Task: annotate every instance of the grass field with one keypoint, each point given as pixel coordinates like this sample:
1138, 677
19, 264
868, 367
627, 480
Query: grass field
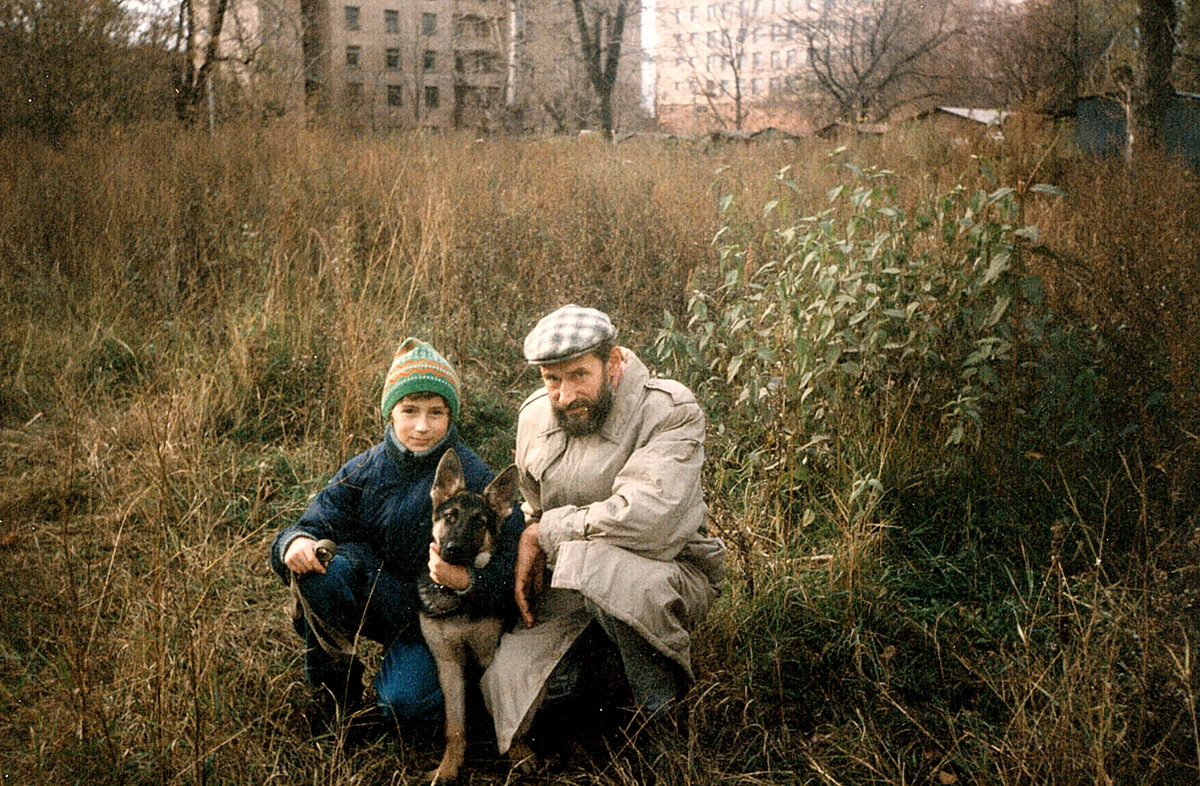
953, 408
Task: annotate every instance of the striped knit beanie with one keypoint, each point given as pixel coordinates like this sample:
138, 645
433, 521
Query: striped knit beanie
418, 368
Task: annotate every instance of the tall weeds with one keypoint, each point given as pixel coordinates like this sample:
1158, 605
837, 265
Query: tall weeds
951, 436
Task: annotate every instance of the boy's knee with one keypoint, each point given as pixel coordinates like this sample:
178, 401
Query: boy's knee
330, 593
403, 700
407, 684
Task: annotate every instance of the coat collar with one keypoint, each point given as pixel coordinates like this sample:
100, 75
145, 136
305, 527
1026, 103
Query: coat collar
406, 460
627, 398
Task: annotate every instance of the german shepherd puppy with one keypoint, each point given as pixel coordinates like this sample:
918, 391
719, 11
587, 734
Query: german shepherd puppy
466, 527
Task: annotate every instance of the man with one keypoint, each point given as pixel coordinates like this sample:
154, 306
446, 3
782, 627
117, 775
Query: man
615, 543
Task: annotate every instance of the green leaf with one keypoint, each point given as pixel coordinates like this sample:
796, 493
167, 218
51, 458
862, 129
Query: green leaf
1031, 233
1046, 188
998, 265
998, 310
734, 367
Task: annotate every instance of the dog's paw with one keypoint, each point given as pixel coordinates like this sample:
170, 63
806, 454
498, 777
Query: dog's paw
522, 759
438, 778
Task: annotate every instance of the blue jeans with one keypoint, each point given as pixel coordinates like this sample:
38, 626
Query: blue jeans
356, 597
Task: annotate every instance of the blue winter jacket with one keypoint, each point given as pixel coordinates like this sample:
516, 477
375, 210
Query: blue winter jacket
380, 498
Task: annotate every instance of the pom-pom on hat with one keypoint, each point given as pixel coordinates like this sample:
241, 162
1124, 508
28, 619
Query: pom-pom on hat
568, 333
418, 368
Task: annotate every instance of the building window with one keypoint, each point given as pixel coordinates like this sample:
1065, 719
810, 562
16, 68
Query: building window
714, 62
392, 58
712, 12
354, 94
459, 65
351, 12
775, 60
391, 20
774, 85
712, 38
791, 58
395, 95
430, 62
756, 61
431, 97
428, 24
695, 12
755, 86
353, 56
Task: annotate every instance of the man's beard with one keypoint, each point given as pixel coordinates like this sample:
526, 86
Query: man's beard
593, 421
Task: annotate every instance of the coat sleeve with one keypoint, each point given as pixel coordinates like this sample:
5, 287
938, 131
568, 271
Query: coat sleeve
333, 513
656, 505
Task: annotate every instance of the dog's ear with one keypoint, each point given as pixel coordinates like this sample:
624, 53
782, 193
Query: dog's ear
501, 493
448, 480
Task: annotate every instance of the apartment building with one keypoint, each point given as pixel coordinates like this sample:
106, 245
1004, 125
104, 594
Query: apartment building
716, 58
383, 64
392, 63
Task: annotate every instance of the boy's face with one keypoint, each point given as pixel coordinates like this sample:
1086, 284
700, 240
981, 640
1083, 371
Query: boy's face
421, 420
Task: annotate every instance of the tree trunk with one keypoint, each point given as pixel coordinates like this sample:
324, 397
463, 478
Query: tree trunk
1152, 91
195, 84
602, 71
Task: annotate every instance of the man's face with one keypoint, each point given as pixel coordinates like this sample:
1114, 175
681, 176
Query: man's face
580, 393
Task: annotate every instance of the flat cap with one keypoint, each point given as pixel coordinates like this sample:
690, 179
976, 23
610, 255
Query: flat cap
566, 334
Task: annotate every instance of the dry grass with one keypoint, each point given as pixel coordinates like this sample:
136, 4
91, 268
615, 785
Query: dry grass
198, 327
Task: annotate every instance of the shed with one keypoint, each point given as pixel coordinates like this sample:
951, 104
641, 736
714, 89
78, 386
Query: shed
965, 123
1100, 126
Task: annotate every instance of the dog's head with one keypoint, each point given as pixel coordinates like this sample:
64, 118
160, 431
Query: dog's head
466, 525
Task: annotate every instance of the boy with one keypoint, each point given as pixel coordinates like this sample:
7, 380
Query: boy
378, 512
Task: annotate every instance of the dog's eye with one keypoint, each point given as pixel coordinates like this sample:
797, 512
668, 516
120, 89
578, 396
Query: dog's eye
450, 516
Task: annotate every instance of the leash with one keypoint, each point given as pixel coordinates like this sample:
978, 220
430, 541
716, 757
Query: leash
330, 639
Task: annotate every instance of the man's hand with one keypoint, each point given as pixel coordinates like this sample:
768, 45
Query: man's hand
456, 577
530, 572
301, 556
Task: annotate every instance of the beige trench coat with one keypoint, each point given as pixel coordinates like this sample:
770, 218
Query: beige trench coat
622, 524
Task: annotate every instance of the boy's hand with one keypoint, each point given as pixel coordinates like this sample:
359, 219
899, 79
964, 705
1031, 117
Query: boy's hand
301, 556
530, 572
456, 577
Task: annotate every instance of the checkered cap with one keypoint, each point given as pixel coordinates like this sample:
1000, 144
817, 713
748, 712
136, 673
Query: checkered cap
566, 334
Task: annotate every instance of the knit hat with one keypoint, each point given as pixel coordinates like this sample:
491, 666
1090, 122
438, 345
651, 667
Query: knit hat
570, 332
418, 368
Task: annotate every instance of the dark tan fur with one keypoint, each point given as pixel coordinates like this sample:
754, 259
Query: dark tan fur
454, 634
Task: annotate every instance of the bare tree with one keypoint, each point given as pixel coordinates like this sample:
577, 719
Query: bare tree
1153, 91
600, 44
718, 60
1187, 57
870, 57
72, 63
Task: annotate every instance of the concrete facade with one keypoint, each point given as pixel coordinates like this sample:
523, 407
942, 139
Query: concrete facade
714, 56
401, 64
